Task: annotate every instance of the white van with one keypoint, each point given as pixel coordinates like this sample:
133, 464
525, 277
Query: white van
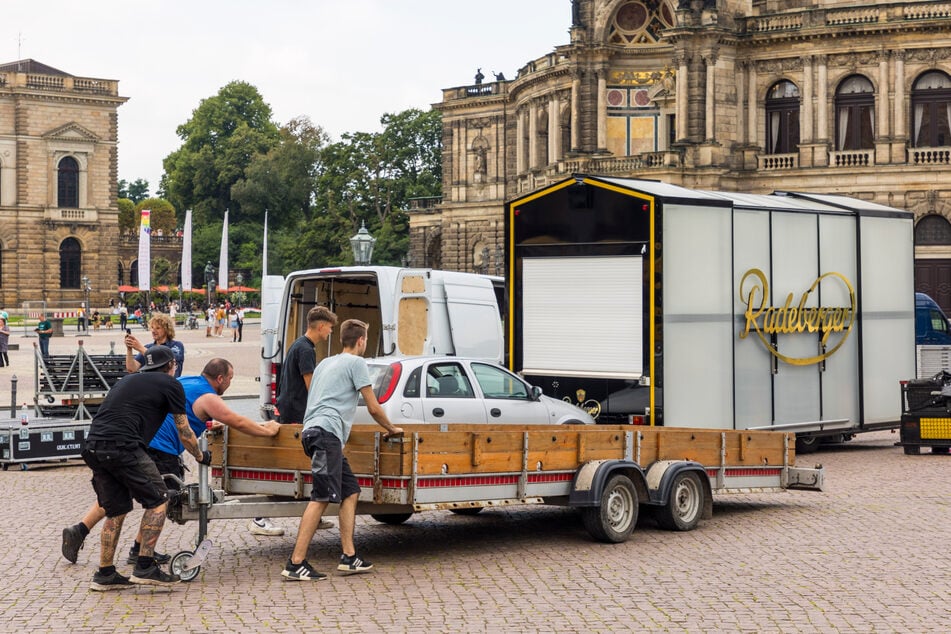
410, 312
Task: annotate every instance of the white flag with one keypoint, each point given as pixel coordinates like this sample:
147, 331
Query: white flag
187, 253
145, 257
223, 261
264, 259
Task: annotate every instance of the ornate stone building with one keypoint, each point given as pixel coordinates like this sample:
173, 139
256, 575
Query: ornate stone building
58, 176
737, 95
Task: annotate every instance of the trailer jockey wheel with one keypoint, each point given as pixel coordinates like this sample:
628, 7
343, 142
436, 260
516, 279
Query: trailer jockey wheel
178, 563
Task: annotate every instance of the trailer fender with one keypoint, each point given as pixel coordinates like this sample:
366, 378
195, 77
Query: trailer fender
662, 475
590, 478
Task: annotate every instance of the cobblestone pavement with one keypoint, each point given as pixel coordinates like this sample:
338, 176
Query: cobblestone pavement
870, 554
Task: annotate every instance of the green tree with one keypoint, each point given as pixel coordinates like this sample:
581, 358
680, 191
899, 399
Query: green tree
137, 191
126, 216
162, 215
225, 133
283, 180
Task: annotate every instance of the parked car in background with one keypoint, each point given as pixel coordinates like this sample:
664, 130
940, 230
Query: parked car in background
461, 390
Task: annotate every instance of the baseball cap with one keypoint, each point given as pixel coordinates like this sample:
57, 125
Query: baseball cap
155, 357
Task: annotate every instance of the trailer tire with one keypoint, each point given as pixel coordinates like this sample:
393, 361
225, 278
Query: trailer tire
393, 519
807, 444
614, 518
912, 450
684, 506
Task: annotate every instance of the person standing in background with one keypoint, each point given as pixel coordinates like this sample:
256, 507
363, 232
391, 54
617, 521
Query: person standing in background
45, 330
4, 343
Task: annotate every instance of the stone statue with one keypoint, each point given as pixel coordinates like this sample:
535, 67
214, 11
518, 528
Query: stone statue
499, 76
209, 274
479, 76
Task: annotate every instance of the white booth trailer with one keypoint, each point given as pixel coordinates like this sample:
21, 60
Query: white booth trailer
651, 303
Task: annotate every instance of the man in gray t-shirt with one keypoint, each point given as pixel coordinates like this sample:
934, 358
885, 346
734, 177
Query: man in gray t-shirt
331, 404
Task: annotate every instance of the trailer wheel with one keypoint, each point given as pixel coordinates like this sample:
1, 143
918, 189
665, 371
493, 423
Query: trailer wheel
912, 450
685, 504
807, 444
179, 561
392, 518
614, 518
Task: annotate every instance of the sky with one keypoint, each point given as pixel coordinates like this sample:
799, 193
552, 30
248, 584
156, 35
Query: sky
342, 63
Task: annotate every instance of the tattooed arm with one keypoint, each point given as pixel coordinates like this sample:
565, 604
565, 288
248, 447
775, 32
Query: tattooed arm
187, 435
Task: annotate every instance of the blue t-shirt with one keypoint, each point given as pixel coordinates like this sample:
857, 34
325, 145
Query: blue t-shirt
166, 438
334, 389
178, 351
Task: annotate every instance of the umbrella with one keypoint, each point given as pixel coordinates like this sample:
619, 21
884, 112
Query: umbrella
241, 289
125, 288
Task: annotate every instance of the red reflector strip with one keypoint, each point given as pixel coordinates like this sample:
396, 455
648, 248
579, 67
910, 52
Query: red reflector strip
742, 472
263, 476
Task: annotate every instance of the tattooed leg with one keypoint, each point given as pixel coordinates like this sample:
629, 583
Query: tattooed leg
152, 522
109, 538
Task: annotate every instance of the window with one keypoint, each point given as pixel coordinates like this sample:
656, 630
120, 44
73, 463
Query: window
68, 183
70, 263
120, 277
782, 118
412, 384
637, 23
932, 229
497, 383
447, 380
931, 110
855, 114
134, 273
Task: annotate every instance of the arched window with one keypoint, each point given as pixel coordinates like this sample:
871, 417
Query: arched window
70, 263
134, 273
67, 183
638, 22
782, 118
120, 274
855, 114
931, 110
933, 229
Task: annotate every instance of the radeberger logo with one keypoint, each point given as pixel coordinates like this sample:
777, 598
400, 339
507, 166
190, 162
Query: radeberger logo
794, 317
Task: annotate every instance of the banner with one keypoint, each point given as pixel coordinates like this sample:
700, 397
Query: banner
187, 253
264, 258
145, 257
223, 261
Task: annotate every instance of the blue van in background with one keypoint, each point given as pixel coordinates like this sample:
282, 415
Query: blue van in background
931, 324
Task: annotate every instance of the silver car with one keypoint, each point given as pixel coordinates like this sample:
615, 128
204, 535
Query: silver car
458, 390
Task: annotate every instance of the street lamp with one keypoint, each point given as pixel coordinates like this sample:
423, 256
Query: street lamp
362, 245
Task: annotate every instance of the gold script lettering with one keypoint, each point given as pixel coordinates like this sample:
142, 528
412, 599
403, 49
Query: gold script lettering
794, 317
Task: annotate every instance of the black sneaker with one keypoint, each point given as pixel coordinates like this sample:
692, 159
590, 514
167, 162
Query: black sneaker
160, 558
153, 576
354, 564
301, 572
104, 583
73, 542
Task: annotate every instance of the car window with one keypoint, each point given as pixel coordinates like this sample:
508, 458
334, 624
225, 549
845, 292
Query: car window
411, 390
447, 380
497, 383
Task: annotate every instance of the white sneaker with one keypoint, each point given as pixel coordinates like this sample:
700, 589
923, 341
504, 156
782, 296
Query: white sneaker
325, 524
264, 526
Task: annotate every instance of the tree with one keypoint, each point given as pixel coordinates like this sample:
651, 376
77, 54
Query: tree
282, 181
162, 217
136, 192
126, 216
225, 133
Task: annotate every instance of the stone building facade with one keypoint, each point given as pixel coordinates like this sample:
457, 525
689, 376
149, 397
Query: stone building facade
736, 95
58, 179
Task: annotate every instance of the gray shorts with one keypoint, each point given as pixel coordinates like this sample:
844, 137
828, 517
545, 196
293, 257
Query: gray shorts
332, 479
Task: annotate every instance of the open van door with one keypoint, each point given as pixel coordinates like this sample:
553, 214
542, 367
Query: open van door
413, 325
272, 288
475, 325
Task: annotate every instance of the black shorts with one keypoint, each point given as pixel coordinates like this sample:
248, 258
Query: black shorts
121, 474
167, 463
332, 479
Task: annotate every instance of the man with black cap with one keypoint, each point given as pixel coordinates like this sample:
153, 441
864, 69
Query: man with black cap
122, 471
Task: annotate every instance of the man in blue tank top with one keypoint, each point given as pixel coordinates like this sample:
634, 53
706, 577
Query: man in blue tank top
203, 402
